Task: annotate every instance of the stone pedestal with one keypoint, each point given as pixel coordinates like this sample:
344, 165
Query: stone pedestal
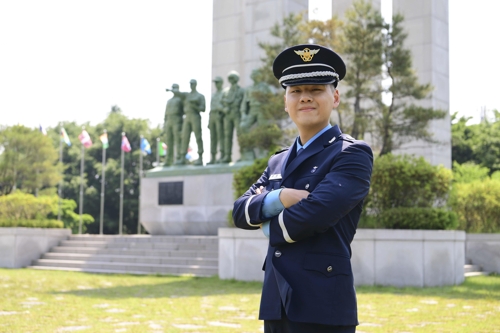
187, 200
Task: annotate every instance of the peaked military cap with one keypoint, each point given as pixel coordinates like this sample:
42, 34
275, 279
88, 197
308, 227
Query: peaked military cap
308, 64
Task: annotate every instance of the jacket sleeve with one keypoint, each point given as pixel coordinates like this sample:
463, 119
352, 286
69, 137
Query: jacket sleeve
247, 208
344, 186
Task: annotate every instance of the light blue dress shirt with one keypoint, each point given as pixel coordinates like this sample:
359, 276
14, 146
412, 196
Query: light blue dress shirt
272, 206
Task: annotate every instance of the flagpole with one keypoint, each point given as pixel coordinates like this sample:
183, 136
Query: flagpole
157, 151
140, 182
120, 226
81, 187
59, 191
103, 181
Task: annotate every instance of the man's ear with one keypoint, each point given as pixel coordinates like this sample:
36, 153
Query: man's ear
336, 96
284, 100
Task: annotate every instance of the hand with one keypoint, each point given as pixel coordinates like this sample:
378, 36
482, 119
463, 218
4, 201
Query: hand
259, 190
290, 196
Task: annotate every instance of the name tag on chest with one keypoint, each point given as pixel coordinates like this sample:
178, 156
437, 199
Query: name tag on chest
275, 176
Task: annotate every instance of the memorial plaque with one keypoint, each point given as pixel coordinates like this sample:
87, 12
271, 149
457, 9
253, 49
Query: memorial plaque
170, 193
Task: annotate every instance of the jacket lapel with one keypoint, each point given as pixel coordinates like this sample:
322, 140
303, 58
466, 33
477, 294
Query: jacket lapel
326, 139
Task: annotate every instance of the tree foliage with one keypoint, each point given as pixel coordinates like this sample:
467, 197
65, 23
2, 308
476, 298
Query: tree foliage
28, 160
363, 53
401, 120
477, 143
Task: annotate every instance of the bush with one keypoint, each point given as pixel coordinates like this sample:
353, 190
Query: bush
477, 205
32, 211
406, 181
418, 218
469, 172
31, 223
246, 176
24, 206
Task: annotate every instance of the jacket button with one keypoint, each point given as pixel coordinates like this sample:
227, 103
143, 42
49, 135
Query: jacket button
307, 186
329, 269
277, 254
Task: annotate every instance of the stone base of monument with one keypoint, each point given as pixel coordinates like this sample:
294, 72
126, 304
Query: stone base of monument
187, 200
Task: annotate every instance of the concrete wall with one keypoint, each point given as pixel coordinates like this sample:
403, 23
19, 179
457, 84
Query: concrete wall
484, 250
380, 257
421, 258
426, 23
20, 246
207, 199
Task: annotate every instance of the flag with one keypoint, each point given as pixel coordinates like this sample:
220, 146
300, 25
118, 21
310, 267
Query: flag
162, 148
65, 137
42, 130
125, 144
85, 139
145, 146
104, 140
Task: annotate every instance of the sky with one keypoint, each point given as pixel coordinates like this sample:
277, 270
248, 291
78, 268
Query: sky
69, 60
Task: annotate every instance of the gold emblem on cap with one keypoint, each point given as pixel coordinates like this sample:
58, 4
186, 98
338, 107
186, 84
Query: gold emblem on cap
307, 54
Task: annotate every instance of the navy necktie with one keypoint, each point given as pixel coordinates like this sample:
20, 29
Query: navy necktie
293, 157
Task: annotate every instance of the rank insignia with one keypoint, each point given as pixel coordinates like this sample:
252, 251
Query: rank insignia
306, 54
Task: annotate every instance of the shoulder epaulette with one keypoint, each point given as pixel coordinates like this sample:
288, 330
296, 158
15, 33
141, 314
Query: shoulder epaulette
280, 151
347, 137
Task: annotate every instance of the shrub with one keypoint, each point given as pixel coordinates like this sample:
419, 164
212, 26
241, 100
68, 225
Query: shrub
418, 218
246, 176
24, 206
477, 205
31, 223
406, 181
469, 172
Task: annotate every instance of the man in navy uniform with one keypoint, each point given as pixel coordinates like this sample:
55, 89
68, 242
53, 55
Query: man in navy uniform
308, 202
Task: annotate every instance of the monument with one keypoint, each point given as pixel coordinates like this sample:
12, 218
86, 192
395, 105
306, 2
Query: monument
216, 122
194, 103
231, 103
187, 199
192, 199
172, 126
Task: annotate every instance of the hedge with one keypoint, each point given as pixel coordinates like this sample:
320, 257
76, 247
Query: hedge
418, 218
31, 223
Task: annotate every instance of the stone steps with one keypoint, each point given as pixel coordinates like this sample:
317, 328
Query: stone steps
172, 255
473, 270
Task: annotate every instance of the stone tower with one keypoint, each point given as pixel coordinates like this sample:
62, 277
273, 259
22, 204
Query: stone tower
238, 26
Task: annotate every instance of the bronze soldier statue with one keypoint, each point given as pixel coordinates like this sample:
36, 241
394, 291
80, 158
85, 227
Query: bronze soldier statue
231, 102
194, 103
172, 125
215, 122
251, 112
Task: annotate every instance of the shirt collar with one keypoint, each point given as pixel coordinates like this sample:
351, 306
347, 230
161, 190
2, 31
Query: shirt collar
299, 146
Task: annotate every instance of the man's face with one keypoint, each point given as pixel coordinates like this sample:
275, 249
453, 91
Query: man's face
310, 106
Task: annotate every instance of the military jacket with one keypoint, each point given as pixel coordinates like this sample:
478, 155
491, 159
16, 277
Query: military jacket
308, 268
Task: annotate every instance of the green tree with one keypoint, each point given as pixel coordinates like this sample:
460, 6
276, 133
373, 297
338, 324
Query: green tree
401, 120
28, 160
288, 33
477, 143
363, 53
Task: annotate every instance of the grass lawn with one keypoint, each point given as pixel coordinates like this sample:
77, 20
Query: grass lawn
53, 301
